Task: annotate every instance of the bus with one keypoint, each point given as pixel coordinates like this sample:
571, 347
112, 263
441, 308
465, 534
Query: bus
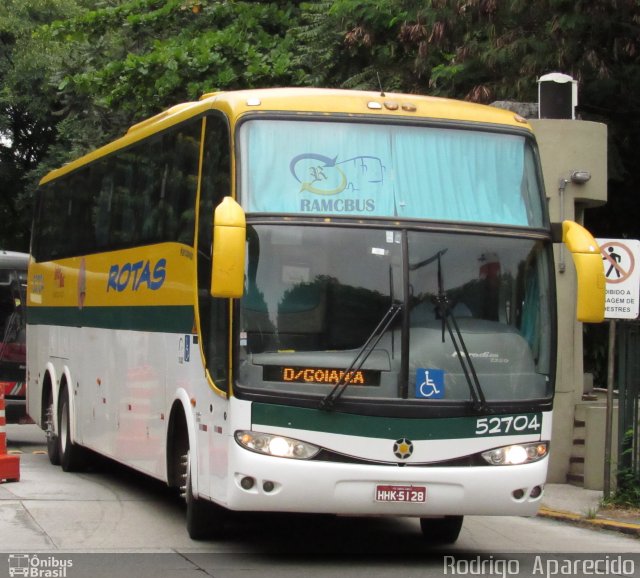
13, 321
306, 300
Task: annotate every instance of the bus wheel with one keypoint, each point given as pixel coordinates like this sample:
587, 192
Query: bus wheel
70, 454
204, 519
53, 449
441, 530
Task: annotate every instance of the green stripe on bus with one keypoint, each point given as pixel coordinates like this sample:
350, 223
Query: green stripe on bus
160, 319
394, 428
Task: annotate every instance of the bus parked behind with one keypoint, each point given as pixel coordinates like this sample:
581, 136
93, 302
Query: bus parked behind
13, 290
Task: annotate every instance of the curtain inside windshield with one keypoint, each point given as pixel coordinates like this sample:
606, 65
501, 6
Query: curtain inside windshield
389, 171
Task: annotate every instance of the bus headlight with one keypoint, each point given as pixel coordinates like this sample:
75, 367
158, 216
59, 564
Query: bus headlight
516, 454
276, 445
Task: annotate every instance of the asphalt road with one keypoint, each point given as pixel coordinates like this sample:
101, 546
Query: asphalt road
110, 521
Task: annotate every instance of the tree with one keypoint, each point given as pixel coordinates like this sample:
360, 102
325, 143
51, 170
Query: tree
128, 62
27, 120
77, 73
486, 50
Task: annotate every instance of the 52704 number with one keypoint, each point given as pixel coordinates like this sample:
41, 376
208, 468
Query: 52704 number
507, 424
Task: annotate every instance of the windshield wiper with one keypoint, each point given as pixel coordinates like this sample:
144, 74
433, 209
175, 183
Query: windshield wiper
361, 356
449, 321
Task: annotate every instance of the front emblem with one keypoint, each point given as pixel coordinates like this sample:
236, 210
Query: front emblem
403, 448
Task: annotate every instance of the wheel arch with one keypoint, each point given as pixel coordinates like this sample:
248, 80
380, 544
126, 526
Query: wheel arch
181, 436
65, 382
49, 384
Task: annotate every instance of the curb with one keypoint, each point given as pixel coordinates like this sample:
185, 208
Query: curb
602, 523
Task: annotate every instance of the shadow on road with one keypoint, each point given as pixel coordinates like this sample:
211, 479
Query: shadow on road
287, 534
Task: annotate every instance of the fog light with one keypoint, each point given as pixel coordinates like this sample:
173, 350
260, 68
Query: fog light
536, 492
518, 494
268, 486
247, 482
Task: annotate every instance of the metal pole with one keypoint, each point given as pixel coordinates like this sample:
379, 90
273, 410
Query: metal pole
561, 189
609, 422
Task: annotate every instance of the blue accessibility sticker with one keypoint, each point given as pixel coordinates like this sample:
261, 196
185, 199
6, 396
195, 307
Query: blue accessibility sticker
429, 383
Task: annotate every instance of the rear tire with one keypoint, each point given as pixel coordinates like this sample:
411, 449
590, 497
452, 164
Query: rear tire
53, 447
441, 530
71, 456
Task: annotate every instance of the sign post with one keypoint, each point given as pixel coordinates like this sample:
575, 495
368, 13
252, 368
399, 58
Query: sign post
621, 260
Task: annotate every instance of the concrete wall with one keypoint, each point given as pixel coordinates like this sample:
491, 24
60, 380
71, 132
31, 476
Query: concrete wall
567, 146
595, 417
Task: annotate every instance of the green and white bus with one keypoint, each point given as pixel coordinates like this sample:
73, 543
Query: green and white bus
306, 300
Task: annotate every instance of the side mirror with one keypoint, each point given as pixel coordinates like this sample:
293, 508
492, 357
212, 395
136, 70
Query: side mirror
590, 272
229, 239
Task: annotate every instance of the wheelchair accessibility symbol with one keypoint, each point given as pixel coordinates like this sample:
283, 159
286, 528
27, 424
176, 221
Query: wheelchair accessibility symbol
429, 383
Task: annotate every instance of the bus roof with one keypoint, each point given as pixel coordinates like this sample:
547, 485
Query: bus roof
306, 101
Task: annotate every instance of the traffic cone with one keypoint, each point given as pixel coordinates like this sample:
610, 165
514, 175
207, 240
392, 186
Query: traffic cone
9, 465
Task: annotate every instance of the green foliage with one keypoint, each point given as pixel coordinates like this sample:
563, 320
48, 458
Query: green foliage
487, 50
627, 494
76, 73
27, 108
126, 63
479, 49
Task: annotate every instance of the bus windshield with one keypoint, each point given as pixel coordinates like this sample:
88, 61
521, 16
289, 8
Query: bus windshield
315, 295
389, 170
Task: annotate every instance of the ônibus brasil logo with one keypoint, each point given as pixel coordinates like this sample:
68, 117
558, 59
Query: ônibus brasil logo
38, 566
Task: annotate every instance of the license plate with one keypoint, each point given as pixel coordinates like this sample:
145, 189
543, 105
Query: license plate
411, 494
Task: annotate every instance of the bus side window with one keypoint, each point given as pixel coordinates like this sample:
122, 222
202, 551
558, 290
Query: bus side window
114, 212
213, 312
160, 222
49, 241
7, 308
182, 180
167, 183
148, 187
102, 211
80, 192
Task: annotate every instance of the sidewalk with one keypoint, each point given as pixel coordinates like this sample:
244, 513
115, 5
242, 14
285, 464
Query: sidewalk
573, 504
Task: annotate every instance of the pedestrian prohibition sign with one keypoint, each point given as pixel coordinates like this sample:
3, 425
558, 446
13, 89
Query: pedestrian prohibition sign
621, 261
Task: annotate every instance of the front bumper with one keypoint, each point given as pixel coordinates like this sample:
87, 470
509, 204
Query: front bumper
289, 485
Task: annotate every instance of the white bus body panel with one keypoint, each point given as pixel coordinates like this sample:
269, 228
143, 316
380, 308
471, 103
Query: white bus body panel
125, 383
122, 387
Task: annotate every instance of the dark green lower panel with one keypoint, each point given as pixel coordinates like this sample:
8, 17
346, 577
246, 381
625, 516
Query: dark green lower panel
160, 319
394, 428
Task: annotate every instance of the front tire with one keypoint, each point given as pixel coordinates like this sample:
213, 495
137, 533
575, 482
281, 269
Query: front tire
204, 519
71, 458
441, 530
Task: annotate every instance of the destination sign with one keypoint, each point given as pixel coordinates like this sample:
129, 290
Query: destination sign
320, 375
